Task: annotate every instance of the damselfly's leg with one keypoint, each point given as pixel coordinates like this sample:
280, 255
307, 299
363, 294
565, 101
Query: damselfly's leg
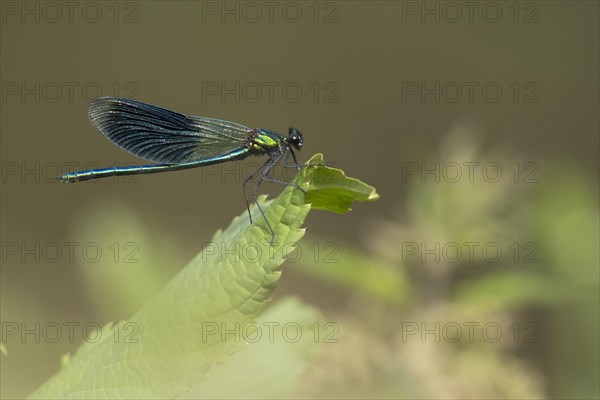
286, 163
248, 179
296, 164
265, 168
269, 179
265, 176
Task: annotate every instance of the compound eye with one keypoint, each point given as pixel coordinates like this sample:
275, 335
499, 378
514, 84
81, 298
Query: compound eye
296, 138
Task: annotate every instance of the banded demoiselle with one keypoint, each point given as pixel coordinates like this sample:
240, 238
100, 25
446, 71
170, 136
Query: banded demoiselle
176, 141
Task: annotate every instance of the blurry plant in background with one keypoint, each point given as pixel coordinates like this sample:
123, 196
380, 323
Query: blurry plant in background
138, 263
436, 314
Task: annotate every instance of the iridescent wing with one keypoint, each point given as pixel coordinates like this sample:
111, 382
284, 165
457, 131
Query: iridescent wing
163, 136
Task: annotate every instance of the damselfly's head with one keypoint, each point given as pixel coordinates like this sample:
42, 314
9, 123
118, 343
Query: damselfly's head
295, 138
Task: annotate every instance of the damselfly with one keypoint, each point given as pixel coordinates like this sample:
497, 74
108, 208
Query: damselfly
176, 141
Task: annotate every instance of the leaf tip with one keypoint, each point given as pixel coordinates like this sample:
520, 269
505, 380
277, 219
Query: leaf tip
373, 196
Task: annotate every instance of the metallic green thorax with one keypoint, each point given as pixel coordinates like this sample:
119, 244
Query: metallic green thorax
264, 141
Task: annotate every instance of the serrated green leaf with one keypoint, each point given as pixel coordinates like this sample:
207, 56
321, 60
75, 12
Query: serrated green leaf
168, 346
330, 189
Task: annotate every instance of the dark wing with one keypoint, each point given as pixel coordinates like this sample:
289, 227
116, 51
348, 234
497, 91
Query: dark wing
164, 136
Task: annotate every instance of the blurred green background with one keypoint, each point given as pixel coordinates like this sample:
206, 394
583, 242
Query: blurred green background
373, 86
